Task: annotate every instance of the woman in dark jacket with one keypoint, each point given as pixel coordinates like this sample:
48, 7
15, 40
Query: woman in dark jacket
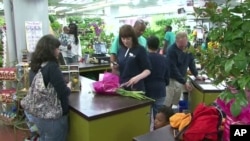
45, 57
133, 60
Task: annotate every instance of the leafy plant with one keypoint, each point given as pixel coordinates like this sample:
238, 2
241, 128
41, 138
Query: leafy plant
230, 61
77, 19
55, 25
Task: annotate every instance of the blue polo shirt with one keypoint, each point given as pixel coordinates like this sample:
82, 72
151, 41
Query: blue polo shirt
132, 62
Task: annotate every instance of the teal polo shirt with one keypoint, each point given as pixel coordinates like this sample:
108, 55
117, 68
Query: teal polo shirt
170, 38
115, 45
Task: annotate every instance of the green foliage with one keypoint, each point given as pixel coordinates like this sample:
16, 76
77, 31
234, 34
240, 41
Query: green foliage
2, 21
158, 26
77, 19
52, 18
55, 25
230, 61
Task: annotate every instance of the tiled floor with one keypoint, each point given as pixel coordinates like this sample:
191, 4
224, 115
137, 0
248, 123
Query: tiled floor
7, 133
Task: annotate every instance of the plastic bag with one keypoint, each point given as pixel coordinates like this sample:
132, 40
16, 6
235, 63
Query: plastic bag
108, 85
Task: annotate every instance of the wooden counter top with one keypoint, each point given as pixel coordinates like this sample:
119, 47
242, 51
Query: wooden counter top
162, 134
206, 86
86, 67
92, 106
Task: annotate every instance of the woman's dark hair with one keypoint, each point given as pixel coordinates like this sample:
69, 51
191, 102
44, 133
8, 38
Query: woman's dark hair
73, 29
45, 51
153, 42
127, 31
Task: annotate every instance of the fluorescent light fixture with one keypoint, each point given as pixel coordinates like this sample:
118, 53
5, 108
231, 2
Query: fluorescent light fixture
61, 8
75, 1
1, 5
135, 2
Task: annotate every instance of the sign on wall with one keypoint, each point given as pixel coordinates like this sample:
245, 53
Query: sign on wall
33, 32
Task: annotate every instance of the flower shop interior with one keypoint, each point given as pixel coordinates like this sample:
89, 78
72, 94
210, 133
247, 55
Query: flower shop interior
218, 33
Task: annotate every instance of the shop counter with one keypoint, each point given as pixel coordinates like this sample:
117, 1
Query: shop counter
162, 134
106, 118
203, 92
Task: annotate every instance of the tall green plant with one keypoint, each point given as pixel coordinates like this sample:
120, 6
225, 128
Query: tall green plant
230, 62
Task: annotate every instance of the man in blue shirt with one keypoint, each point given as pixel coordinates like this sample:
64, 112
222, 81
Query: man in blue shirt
139, 28
179, 61
169, 38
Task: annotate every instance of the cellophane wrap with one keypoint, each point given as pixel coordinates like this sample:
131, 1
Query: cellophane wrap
108, 85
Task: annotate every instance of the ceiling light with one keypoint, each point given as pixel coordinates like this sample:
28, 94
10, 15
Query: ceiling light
75, 1
135, 2
61, 8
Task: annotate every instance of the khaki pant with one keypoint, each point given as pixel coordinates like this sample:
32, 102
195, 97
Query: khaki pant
174, 91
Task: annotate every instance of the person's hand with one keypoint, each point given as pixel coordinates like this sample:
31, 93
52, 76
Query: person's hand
69, 85
69, 47
132, 81
188, 87
199, 78
114, 68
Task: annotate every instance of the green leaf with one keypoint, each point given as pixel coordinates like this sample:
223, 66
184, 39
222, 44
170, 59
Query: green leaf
241, 98
228, 65
245, 26
237, 23
237, 34
235, 108
243, 82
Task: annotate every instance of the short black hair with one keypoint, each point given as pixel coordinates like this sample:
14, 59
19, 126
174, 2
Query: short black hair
153, 42
167, 111
169, 28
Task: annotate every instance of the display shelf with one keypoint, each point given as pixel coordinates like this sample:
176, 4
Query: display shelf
71, 74
16, 86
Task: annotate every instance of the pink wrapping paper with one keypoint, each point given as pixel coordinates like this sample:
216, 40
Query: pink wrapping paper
108, 85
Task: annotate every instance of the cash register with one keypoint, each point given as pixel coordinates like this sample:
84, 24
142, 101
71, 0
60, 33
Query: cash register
101, 53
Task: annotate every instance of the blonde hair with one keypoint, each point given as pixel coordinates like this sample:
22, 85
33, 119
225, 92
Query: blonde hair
181, 35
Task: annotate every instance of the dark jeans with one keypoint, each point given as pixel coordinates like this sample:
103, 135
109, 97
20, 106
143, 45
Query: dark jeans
51, 129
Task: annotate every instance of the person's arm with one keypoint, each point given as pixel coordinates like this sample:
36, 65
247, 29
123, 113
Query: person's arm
79, 49
114, 49
143, 61
166, 42
137, 78
61, 47
193, 68
167, 74
57, 80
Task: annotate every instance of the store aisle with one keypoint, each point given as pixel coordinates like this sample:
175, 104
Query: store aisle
7, 133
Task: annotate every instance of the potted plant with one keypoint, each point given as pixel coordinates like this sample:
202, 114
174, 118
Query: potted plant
228, 61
